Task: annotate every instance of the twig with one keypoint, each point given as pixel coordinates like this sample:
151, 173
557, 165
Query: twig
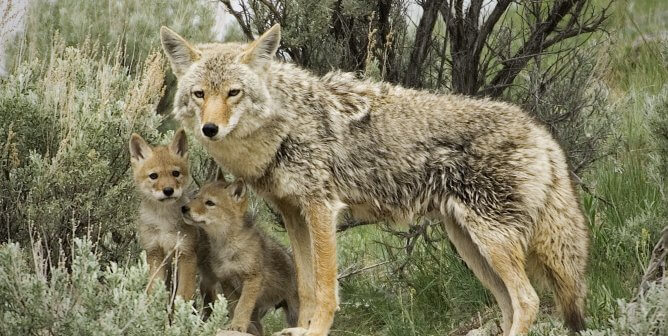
342, 276
656, 268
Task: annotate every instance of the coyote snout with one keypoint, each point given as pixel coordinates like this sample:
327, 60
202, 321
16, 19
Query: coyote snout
210, 130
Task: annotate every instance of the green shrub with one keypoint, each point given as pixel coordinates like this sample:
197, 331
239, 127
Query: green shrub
131, 24
64, 125
647, 315
89, 298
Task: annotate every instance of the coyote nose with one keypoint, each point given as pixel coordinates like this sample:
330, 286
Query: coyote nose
168, 191
185, 209
210, 130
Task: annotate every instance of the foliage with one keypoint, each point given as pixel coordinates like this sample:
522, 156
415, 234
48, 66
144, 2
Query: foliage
90, 298
65, 124
132, 25
567, 95
647, 315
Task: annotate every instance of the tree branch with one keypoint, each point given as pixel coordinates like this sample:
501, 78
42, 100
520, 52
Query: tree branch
422, 42
245, 26
273, 10
489, 24
533, 45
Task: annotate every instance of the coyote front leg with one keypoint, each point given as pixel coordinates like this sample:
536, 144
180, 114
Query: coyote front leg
244, 309
156, 268
300, 239
320, 220
186, 268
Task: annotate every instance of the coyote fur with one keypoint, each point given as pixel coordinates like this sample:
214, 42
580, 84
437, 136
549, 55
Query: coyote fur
255, 272
313, 146
161, 175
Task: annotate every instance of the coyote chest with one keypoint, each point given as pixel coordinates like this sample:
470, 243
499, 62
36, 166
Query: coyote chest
164, 229
228, 262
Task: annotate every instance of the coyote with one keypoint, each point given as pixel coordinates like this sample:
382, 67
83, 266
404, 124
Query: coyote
161, 175
313, 146
255, 272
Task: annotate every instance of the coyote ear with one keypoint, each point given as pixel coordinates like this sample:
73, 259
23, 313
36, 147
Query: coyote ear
179, 145
139, 149
263, 48
237, 190
179, 52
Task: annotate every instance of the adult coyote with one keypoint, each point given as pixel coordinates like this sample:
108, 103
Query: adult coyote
314, 145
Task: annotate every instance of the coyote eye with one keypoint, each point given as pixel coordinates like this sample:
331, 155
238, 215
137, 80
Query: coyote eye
153, 176
176, 173
199, 94
209, 203
233, 93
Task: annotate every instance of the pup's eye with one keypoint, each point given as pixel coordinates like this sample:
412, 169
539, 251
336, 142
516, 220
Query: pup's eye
176, 173
209, 203
233, 93
153, 176
199, 94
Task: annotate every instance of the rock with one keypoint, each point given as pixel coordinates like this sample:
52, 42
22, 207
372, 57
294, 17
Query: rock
488, 329
232, 333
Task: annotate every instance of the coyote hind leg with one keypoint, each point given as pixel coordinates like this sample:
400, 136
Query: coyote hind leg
468, 250
503, 246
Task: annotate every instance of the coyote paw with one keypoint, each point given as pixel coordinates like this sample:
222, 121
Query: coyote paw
237, 327
292, 332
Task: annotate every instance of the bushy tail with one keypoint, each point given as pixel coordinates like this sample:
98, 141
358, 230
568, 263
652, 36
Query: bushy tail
569, 295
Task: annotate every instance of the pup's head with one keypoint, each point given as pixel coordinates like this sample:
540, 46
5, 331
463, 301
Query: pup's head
161, 172
221, 87
219, 205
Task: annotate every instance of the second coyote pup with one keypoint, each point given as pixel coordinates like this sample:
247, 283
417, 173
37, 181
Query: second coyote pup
161, 175
312, 146
256, 273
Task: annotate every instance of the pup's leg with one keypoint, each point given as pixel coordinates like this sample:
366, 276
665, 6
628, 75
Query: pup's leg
252, 287
207, 287
156, 268
186, 268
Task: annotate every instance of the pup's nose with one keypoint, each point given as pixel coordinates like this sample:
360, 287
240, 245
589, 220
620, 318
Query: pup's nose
169, 191
185, 209
210, 130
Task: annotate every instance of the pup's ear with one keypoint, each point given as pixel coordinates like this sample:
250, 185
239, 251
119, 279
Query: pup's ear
139, 149
179, 145
264, 48
237, 190
179, 52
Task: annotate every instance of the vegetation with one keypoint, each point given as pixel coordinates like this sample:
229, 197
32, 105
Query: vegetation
79, 84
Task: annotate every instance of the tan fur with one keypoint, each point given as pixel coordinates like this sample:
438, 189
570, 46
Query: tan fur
313, 145
256, 273
161, 231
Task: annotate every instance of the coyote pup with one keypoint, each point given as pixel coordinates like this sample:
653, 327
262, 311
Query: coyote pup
312, 146
161, 175
255, 272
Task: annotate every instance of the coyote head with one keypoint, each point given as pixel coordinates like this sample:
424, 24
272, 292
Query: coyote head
219, 206
221, 87
161, 172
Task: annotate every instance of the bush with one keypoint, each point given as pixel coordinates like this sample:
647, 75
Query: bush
65, 124
647, 315
91, 298
131, 24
